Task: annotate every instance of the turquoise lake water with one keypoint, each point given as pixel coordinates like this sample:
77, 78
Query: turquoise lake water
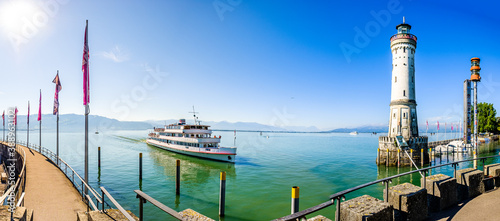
258, 184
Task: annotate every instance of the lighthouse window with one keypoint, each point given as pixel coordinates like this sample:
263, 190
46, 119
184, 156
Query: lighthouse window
395, 79
404, 50
404, 93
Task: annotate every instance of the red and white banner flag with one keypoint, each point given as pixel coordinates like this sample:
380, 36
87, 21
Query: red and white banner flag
56, 95
15, 117
85, 69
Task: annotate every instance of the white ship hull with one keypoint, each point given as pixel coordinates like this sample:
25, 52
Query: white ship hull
219, 154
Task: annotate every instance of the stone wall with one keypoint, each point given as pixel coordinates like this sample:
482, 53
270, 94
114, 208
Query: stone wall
388, 151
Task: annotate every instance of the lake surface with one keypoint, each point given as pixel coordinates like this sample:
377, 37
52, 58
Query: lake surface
258, 184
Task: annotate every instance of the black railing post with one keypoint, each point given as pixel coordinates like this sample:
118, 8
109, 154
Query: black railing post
337, 211
102, 199
83, 192
424, 182
141, 214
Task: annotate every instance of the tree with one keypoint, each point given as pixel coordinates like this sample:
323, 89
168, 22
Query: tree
487, 120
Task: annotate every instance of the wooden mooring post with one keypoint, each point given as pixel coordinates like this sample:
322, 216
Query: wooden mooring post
178, 177
222, 194
295, 199
99, 158
140, 167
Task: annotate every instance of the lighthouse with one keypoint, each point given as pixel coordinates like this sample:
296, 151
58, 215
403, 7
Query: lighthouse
403, 107
403, 125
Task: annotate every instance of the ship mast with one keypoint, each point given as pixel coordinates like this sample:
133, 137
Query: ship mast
194, 116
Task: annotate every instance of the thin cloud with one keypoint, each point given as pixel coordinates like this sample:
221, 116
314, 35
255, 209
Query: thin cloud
116, 54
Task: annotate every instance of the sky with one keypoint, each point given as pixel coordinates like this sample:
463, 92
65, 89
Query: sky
325, 64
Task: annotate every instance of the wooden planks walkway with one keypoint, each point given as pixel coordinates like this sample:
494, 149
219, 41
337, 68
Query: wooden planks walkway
48, 192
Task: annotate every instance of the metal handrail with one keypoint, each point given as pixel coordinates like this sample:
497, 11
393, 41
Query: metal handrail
91, 202
20, 200
341, 194
20, 180
161, 206
6, 194
120, 208
53, 157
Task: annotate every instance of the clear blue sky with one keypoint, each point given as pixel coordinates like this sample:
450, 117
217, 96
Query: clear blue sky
272, 62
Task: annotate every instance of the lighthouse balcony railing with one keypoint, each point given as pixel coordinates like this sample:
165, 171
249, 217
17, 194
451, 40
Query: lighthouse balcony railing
403, 36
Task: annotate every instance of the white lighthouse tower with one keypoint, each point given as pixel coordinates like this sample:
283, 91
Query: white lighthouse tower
403, 119
403, 124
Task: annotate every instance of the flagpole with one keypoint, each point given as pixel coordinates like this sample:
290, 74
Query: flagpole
86, 146
40, 141
86, 100
40, 119
3, 119
57, 138
28, 132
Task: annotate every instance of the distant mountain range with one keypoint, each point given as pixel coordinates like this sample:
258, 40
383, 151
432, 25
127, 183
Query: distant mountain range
75, 123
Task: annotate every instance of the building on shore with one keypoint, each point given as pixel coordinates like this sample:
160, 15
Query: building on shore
403, 125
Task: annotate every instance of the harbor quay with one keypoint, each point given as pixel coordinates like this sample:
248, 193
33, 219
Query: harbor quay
470, 192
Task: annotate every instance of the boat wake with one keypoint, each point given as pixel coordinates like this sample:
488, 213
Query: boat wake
132, 140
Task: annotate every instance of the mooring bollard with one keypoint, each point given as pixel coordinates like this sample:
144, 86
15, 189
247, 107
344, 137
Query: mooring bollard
178, 177
387, 160
295, 199
398, 158
378, 156
222, 194
475, 160
99, 157
411, 154
140, 166
421, 157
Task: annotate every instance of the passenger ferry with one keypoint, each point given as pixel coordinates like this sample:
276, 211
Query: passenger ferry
193, 140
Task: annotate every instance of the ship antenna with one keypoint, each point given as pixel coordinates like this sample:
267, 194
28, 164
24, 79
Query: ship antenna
194, 116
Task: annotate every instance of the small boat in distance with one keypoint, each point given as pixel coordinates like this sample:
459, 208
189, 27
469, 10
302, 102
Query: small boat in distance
193, 140
354, 133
